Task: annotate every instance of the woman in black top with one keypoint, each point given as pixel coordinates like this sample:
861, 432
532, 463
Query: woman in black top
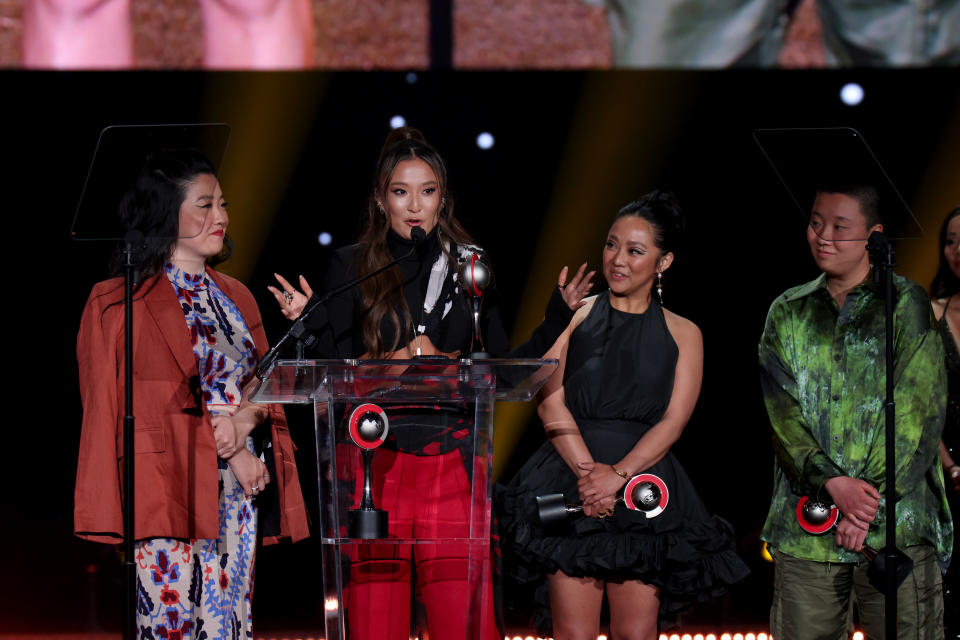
943, 290
416, 308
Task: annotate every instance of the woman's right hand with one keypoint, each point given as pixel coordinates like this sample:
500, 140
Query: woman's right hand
602, 508
575, 292
250, 472
291, 301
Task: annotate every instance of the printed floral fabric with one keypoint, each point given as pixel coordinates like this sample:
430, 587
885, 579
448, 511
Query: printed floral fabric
823, 378
226, 356
201, 589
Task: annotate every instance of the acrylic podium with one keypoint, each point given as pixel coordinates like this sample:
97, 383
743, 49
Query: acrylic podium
354, 401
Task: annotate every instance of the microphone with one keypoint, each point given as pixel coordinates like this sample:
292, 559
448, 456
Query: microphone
418, 235
298, 330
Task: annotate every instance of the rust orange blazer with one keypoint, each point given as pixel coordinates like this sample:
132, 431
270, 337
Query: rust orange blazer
177, 493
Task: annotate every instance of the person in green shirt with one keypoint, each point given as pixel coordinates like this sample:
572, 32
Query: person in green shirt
822, 374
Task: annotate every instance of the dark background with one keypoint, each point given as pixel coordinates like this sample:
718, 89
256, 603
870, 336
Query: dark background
570, 148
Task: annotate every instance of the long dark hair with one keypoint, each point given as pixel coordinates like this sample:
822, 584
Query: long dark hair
383, 294
945, 283
152, 206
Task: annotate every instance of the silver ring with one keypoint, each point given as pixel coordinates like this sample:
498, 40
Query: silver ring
256, 488
288, 296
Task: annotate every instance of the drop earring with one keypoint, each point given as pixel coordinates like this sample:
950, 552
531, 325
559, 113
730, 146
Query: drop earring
660, 286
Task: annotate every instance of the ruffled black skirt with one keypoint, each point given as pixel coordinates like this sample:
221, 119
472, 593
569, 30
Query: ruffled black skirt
685, 552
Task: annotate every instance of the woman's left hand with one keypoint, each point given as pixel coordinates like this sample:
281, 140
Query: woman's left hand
600, 482
574, 293
227, 436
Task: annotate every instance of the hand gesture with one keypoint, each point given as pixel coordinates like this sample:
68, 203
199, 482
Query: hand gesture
574, 293
600, 482
225, 433
850, 535
291, 300
250, 472
854, 497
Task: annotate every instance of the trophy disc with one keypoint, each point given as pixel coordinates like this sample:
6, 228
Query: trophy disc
368, 426
816, 517
646, 493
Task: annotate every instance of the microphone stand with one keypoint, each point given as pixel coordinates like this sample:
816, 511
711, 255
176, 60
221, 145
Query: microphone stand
298, 330
882, 257
132, 240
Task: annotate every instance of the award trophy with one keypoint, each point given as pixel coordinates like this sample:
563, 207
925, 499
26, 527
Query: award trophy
368, 427
644, 492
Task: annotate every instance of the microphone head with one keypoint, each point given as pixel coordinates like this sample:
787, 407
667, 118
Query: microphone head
418, 235
474, 275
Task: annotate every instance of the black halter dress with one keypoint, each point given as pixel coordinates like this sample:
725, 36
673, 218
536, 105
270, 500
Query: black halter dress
618, 381
951, 439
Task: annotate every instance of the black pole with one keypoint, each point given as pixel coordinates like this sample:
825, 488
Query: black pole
441, 34
890, 609
882, 257
131, 242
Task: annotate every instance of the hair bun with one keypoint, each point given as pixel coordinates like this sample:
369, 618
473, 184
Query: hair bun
401, 135
662, 209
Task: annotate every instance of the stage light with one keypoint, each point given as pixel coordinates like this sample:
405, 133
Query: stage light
485, 140
749, 636
324, 238
726, 636
663, 636
699, 636
411, 78
763, 636
674, 636
851, 94
738, 636
331, 604
711, 636
397, 121
686, 636
858, 635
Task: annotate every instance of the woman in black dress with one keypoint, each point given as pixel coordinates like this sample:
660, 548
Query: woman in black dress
629, 377
416, 309
943, 290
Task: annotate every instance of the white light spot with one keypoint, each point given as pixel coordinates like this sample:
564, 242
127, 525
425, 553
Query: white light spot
851, 94
485, 140
324, 238
397, 121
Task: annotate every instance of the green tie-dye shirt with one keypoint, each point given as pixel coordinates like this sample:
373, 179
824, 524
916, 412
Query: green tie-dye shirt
822, 373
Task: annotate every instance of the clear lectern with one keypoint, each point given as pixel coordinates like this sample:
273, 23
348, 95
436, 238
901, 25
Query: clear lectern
353, 403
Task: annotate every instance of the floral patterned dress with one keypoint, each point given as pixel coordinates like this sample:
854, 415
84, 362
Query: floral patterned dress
202, 588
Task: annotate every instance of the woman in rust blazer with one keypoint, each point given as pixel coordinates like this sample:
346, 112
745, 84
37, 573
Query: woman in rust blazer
207, 459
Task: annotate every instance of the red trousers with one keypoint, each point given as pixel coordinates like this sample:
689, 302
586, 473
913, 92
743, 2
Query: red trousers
426, 497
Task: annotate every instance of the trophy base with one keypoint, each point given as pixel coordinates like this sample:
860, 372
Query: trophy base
367, 524
552, 508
